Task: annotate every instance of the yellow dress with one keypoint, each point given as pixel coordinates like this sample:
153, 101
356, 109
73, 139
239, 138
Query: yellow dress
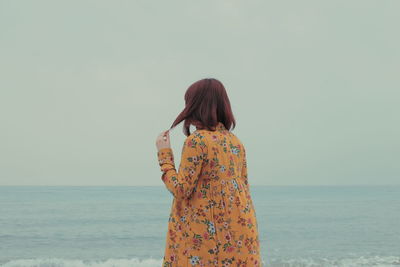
212, 220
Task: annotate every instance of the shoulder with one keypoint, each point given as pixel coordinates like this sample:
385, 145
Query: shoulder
237, 142
234, 138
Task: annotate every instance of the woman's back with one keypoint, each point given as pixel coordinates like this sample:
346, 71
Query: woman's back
212, 221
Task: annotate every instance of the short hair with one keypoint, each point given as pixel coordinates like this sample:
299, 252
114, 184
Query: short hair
206, 104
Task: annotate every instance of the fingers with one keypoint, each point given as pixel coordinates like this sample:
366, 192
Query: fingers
163, 140
163, 136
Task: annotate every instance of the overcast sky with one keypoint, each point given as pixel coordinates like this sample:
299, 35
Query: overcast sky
86, 87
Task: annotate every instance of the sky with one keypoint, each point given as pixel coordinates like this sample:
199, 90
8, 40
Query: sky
87, 86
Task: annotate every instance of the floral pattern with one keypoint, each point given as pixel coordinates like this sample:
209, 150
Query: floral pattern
212, 220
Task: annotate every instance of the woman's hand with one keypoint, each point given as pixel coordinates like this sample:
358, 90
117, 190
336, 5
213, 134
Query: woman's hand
163, 140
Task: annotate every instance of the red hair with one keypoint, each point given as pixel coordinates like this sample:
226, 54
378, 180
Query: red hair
206, 104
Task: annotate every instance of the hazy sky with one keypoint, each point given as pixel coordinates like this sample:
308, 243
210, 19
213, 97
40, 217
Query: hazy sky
86, 87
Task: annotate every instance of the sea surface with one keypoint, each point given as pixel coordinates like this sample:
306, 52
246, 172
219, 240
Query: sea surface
61, 226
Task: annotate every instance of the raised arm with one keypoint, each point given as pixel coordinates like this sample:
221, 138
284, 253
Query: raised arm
182, 183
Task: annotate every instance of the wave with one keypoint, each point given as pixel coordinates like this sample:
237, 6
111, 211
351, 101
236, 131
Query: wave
377, 261
58, 262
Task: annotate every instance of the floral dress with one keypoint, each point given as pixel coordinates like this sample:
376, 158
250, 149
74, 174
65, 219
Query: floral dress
212, 221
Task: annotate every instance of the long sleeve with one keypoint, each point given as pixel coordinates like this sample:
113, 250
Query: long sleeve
244, 169
182, 183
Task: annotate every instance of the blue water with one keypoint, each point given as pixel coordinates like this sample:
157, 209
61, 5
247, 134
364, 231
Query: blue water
126, 226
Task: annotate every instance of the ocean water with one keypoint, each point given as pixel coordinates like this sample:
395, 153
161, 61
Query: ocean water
50, 226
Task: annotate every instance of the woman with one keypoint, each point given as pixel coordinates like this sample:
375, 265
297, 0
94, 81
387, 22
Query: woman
212, 220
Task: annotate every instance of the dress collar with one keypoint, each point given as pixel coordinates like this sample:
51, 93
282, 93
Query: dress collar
219, 127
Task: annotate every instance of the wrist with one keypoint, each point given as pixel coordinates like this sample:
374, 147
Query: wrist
162, 149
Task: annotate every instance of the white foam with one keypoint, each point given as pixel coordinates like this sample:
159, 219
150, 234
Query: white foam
377, 261
57, 262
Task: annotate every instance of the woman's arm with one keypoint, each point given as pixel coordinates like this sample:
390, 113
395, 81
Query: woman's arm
182, 183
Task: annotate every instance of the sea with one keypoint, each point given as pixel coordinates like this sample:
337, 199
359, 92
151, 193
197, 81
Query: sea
104, 226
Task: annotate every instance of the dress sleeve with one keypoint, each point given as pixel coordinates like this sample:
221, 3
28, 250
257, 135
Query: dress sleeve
182, 183
244, 169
